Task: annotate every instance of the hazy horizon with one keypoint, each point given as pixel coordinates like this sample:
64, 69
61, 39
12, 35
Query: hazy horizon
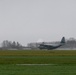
28, 21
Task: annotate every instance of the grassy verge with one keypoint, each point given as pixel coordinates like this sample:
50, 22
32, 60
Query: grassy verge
64, 62
38, 57
37, 70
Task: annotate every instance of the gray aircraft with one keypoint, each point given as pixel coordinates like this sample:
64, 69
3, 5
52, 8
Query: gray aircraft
49, 47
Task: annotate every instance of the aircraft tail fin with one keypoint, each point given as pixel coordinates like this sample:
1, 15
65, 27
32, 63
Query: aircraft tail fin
63, 40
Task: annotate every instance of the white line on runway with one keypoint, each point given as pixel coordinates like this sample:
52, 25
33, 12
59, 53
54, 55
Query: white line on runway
36, 64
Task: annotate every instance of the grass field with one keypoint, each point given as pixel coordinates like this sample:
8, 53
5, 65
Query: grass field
40, 62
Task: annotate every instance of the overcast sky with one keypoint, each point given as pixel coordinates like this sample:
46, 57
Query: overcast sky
30, 20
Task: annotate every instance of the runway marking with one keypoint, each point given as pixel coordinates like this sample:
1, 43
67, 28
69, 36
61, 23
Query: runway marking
35, 64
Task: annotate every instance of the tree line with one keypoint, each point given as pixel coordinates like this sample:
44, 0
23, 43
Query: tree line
11, 45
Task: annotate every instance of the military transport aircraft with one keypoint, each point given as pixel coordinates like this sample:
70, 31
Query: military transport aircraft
45, 46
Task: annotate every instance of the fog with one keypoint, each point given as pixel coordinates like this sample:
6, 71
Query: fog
31, 20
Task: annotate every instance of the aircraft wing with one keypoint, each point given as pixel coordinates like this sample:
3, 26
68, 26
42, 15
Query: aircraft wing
48, 45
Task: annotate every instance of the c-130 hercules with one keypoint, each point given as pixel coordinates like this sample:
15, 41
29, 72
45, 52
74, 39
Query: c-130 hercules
49, 47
